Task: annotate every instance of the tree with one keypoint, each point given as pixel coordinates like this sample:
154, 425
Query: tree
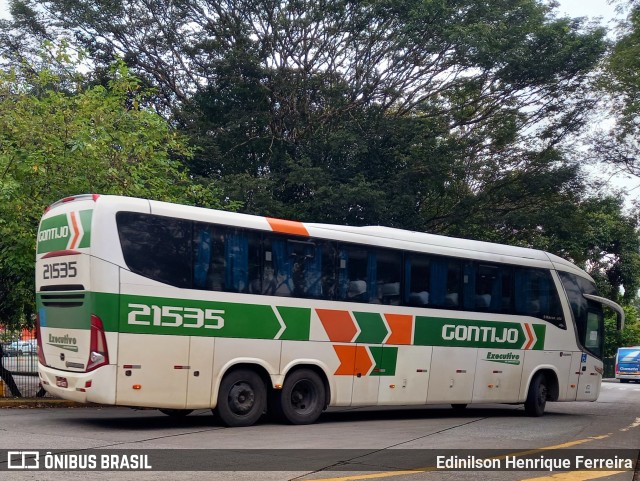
435, 116
629, 336
270, 90
620, 79
59, 136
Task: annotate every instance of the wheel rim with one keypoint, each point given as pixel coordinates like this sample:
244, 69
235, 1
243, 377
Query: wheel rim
304, 396
242, 398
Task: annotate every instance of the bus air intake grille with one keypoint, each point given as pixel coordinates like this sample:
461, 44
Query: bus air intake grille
63, 300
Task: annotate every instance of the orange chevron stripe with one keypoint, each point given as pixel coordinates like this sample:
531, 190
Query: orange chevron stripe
530, 334
76, 231
353, 360
338, 324
401, 326
287, 226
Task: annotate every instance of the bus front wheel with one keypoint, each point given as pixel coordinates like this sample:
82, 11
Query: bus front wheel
302, 397
537, 396
241, 398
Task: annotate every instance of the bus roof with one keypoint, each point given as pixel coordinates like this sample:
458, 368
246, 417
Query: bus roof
374, 235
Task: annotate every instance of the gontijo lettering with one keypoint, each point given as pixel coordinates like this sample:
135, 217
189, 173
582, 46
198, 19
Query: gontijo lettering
451, 332
53, 233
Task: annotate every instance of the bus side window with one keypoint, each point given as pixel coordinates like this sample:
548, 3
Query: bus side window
487, 287
329, 280
536, 295
356, 274
417, 275
445, 282
157, 247
242, 254
208, 255
389, 274
202, 255
236, 257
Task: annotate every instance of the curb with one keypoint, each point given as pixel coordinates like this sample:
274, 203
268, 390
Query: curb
40, 403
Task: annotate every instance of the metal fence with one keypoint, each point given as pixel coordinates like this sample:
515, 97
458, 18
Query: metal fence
19, 364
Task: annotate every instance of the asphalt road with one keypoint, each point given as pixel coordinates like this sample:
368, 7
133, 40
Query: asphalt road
346, 444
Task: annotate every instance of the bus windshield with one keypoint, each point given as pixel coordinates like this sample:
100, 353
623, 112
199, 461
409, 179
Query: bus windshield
587, 314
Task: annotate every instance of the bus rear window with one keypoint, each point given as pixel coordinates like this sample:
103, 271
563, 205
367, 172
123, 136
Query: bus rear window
157, 247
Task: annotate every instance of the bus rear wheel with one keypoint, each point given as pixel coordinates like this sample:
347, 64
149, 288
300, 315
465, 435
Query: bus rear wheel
241, 398
537, 396
302, 398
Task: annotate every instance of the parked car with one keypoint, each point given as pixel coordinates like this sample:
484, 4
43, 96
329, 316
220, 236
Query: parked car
23, 347
9, 351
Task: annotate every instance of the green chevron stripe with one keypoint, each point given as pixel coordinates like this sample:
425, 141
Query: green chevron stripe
298, 322
372, 328
385, 359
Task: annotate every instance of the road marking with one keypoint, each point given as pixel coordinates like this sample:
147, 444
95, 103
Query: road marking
356, 477
576, 476
634, 424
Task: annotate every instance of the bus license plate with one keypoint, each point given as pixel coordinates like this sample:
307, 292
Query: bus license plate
61, 381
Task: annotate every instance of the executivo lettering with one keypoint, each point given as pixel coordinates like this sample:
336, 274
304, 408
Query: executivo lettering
504, 358
64, 342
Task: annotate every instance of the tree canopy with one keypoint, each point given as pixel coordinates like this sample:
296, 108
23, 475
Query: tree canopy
447, 117
60, 136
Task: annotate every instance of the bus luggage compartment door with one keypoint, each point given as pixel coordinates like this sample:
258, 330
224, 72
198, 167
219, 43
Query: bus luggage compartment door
452, 374
152, 370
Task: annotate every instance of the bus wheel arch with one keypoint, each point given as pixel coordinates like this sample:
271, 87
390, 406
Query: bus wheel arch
543, 387
242, 395
304, 395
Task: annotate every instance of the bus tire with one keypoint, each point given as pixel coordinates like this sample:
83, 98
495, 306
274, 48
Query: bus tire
241, 398
302, 398
176, 413
625, 380
537, 396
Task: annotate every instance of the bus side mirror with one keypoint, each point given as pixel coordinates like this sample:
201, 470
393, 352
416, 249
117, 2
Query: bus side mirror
606, 302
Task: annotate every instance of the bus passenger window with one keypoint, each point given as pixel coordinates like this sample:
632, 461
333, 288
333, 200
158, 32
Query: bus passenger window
356, 274
536, 295
328, 280
242, 254
157, 247
417, 275
306, 268
445, 283
493, 290
389, 273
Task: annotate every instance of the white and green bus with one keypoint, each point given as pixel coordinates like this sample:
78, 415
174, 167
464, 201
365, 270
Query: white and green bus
150, 304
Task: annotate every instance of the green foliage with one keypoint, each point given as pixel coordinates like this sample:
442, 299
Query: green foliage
629, 336
445, 117
620, 80
59, 136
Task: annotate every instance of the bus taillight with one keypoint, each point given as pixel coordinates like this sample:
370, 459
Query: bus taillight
39, 348
98, 352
